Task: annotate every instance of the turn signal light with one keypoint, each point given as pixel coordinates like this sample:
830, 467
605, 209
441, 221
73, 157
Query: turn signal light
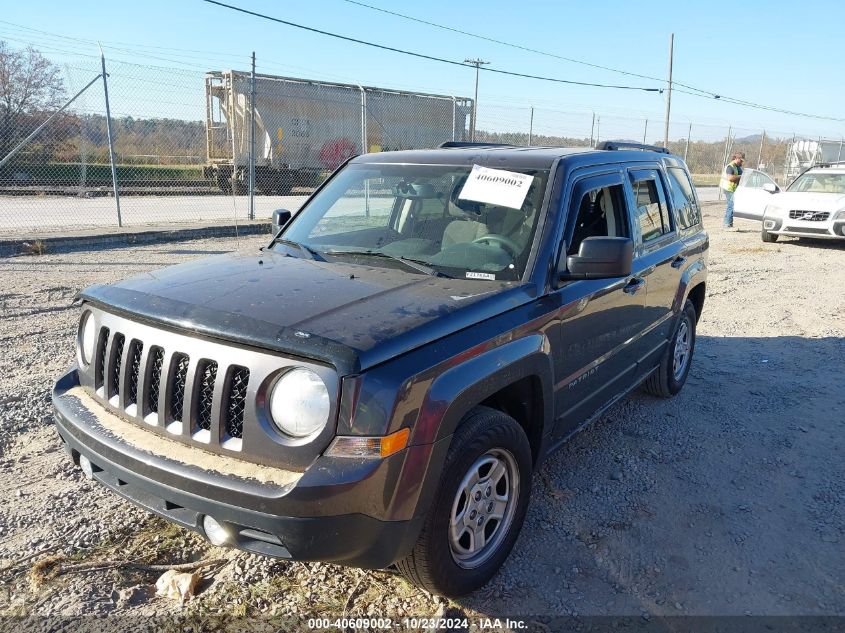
369, 447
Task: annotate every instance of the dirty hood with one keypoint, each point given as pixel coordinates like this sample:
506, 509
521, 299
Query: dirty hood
349, 315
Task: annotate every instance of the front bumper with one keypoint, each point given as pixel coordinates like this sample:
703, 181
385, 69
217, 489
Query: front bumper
336, 511
826, 230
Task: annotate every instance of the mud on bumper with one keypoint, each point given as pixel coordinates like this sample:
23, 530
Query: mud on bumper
288, 520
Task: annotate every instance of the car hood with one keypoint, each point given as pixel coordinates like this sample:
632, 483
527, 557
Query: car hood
349, 315
792, 200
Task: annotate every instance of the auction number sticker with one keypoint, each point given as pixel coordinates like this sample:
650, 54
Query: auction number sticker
496, 186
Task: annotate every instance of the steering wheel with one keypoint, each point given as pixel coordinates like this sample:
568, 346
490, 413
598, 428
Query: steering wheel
506, 242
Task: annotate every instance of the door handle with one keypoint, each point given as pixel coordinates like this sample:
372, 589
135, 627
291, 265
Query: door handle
634, 285
678, 261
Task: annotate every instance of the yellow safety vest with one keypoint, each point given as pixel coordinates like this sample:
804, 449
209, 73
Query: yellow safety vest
726, 184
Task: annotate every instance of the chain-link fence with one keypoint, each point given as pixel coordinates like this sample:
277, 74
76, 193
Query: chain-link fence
188, 144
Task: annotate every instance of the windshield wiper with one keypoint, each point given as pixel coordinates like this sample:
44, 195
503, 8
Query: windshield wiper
314, 254
410, 263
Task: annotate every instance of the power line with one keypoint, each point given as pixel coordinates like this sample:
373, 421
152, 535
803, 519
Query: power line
691, 90
423, 55
503, 43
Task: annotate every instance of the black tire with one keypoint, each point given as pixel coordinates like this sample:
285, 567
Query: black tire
431, 565
769, 238
664, 382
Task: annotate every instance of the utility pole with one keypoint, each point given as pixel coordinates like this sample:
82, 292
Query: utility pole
669, 93
477, 62
592, 129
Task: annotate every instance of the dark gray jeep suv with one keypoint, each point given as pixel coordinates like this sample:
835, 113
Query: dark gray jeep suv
377, 385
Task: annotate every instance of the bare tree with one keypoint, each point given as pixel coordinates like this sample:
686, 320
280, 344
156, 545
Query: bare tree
31, 88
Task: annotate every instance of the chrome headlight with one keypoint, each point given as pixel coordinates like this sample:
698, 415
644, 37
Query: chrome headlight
87, 338
299, 403
772, 210
840, 215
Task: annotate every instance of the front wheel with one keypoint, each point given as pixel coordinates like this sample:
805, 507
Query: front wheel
478, 510
769, 238
670, 376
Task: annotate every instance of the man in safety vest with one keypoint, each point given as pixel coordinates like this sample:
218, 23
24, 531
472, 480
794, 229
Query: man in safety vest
730, 179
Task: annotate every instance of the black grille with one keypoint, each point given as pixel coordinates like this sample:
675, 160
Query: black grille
155, 378
177, 394
205, 393
137, 349
812, 216
118, 342
236, 401
100, 366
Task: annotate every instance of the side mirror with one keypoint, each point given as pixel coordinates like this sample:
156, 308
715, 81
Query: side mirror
771, 187
280, 218
599, 258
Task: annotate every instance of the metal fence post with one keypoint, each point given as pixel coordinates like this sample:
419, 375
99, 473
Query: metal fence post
592, 129
645, 130
363, 119
251, 214
724, 157
531, 125
110, 138
455, 118
760, 153
364, 146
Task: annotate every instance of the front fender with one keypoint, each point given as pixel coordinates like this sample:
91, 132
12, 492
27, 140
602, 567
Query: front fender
454, 392
461, 387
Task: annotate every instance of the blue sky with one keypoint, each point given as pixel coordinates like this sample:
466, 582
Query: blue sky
777, 53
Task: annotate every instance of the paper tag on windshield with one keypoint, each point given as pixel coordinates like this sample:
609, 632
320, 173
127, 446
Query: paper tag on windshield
496, 186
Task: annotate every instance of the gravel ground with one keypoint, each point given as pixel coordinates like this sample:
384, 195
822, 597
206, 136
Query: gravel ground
727, 500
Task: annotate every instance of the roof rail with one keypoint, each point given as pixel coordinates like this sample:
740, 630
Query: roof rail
828, 163
615, 145
455, 144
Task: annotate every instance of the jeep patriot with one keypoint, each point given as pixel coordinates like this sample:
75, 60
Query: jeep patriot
376, 386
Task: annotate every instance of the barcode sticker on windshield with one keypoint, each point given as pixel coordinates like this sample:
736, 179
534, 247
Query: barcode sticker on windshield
485, 276
496, 186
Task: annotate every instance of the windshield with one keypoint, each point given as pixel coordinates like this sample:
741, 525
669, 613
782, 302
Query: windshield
819, 183
459, 221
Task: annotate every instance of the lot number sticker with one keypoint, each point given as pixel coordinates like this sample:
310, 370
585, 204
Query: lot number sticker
496, 186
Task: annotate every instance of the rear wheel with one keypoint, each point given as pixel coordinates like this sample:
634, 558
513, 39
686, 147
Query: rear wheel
769, 237
670, 376
479, 509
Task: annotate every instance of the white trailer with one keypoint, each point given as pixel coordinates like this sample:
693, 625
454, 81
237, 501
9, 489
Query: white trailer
304, 129
804, 154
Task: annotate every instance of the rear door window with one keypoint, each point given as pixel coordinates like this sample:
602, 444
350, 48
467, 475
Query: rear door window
651, 215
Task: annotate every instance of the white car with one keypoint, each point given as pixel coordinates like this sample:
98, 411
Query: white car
812, 206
